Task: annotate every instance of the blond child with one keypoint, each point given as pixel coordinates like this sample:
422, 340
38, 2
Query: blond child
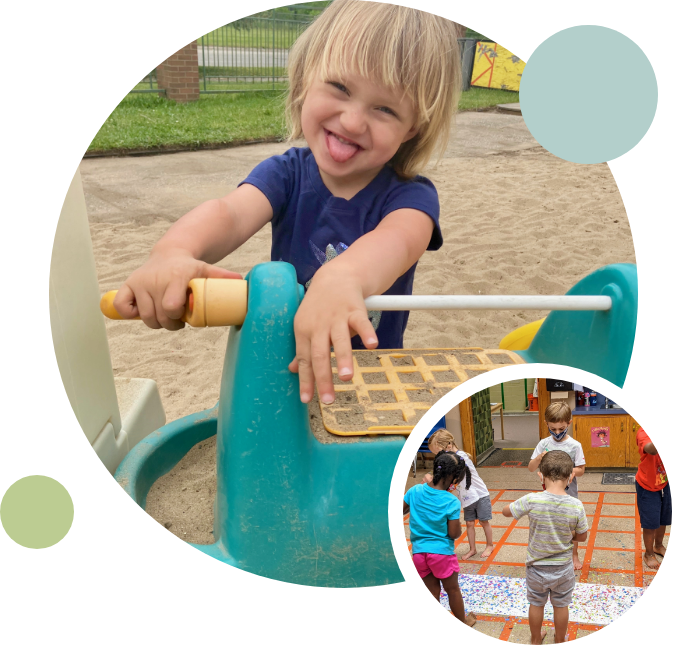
556, 521
475, 500
558, 418
373, 88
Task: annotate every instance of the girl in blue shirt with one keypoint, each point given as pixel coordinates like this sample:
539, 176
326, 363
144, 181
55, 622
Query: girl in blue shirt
434, 525
372, 89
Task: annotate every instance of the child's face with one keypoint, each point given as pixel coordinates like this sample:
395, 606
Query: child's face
354, 127
558, 427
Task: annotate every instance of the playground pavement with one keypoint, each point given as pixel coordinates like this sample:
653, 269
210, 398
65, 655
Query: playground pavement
611, 556
119, 189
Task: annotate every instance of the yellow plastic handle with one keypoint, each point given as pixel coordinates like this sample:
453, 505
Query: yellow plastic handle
211, 302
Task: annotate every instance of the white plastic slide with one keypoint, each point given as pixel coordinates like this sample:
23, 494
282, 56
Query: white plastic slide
114, 413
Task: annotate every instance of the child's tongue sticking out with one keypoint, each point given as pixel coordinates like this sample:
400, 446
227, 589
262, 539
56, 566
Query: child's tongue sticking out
340, 151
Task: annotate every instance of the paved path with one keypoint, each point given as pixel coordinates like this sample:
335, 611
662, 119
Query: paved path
242, 57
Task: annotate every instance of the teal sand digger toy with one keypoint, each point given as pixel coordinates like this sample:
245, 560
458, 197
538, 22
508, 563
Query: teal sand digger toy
292, 508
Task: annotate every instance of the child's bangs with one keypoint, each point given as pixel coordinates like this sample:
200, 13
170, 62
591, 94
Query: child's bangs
365, 55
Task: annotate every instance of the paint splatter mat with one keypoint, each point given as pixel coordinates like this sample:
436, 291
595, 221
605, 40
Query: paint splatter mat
612, 579
391, 390
596, 604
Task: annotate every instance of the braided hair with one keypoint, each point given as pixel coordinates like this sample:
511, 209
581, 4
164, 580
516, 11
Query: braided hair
448, 465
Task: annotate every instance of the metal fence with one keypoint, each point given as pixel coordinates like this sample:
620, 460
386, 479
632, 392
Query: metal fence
251, 54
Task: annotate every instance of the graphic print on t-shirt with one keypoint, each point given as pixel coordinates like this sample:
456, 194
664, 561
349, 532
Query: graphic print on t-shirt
661, 476
324, 257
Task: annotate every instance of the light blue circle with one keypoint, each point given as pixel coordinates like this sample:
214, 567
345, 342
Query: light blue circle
588, 94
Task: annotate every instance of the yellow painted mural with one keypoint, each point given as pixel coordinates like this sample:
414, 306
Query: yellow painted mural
496, 67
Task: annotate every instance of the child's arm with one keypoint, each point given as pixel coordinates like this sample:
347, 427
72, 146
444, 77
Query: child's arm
517, 509
157, 290
582, 526
533, 465
406, 507
428, 478
333, 309
578, 470
454, 529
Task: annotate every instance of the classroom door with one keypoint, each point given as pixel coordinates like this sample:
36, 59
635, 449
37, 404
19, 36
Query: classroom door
603, 440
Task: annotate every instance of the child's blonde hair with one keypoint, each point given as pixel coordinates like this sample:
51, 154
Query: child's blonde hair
558, 411
397, 47
442, 439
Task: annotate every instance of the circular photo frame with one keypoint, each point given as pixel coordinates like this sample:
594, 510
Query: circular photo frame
610, 631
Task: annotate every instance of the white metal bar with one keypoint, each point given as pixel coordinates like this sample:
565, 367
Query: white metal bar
551, 303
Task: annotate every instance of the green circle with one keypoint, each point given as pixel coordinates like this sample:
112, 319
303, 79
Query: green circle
36, 512
588, 94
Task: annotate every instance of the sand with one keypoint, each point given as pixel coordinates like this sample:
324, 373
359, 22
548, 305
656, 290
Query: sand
515, 220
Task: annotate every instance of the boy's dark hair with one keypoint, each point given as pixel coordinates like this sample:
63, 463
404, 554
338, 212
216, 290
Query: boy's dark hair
556, 465
448, 465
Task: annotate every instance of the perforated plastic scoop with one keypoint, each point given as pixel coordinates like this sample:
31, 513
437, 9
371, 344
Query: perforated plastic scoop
391, 390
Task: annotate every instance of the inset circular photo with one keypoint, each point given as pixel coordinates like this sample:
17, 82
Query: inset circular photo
537, 511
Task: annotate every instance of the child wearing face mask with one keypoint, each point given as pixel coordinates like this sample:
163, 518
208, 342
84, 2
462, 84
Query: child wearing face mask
558, 418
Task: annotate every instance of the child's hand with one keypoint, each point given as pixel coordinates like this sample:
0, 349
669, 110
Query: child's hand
332, 311
428, 478
157, 290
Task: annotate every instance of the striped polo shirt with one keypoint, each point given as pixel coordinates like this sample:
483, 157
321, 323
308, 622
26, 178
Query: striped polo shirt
553, 521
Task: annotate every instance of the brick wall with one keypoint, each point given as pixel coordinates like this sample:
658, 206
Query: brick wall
178, 75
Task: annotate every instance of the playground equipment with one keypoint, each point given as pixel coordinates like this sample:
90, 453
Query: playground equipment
291, 508
114, 413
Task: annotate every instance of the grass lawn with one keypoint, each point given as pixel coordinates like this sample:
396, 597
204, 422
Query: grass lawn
147, 121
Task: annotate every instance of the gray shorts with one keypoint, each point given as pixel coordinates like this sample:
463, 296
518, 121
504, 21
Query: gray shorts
479, 510
556, 581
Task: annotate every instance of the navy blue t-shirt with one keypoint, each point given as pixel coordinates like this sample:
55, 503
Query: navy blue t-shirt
310, 226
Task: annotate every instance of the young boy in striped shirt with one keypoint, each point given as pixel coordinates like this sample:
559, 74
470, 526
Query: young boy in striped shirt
556, 520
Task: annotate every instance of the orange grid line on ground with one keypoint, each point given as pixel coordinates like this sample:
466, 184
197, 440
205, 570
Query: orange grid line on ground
507, 630
639, 564
596, 527
591, 537
497, 548
464, 535
511, 622
625, 517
